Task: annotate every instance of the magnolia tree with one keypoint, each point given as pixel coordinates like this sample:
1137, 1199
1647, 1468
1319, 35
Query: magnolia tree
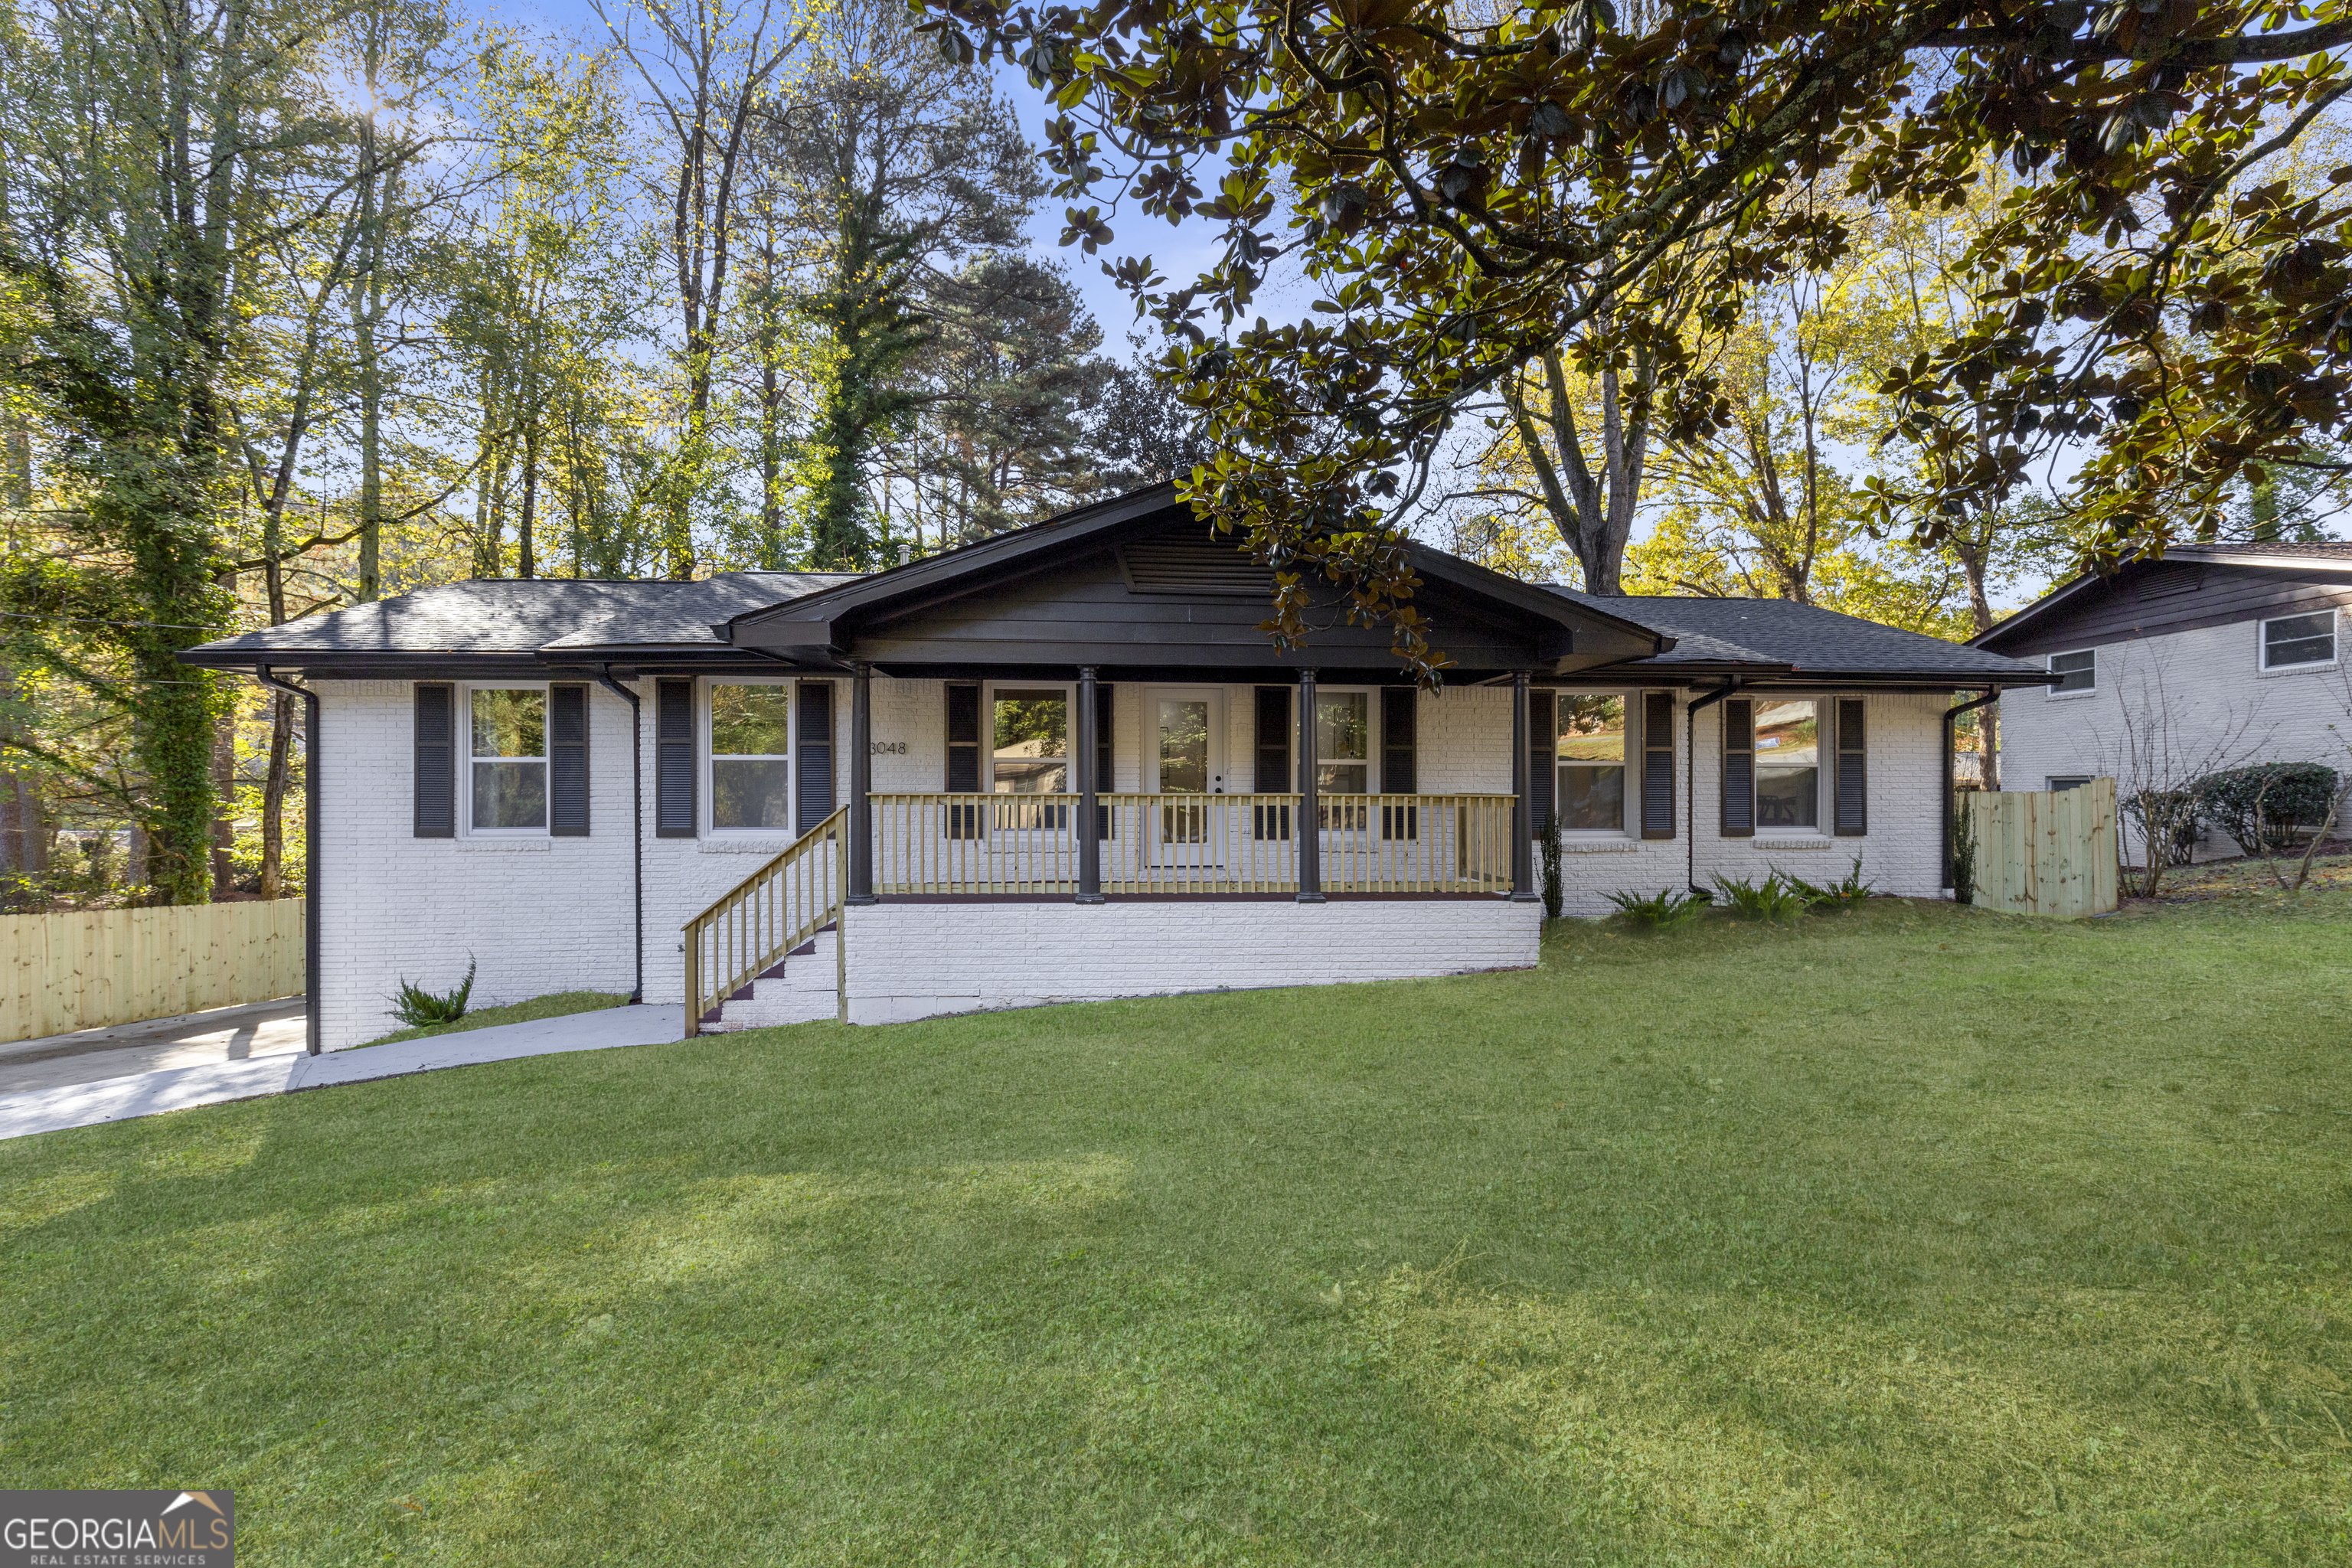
1470, 193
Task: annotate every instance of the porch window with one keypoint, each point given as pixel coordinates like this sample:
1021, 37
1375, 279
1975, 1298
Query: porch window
509, 759
751, 756
2293, 640
1591, 762
1029, 749
1343, 742
1788, 764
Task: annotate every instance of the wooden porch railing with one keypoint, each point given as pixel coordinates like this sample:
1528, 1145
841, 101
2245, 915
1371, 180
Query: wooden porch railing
766, 915
1015, 844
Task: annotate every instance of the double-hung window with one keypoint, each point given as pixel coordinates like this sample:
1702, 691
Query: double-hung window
1590, 757
1788, 764
509, 759
751, 757
1029, 752
2292, 641
2077, 672
1343, 756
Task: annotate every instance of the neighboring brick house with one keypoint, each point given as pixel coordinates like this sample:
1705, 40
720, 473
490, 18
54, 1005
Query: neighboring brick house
947, 725
2216, 656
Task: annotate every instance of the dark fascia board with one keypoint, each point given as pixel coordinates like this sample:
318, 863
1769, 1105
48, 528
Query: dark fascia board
812, 619
817, 612
392, 664
2066, 593
1793, 678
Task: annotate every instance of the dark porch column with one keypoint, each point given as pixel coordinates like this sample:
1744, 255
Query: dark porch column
1523, 827
1090, 809
1310, 818
861, 783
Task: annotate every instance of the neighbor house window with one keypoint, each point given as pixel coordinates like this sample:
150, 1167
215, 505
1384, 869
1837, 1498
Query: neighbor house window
1031, 742
1343, 742
750, 760
1591, 762
1788, 764
2068, 781
2299, 639
2077, 672
509, 759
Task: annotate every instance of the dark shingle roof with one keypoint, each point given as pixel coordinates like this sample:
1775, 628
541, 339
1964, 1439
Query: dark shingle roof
1804, 638
525, 614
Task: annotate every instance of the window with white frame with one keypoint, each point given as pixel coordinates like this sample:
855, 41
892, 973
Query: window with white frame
1590, 759
751, 756
509, 759
1788, 764
2077, 672
2295, 640
1029, 747
1343, 742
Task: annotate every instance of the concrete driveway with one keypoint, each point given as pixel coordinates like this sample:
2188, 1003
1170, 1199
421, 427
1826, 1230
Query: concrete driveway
194, 1039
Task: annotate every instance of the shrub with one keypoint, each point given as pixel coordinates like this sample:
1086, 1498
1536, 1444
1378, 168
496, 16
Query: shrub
1776, 898
1662, 911
2261, 807
419, 1008
1845, 893
2167, 820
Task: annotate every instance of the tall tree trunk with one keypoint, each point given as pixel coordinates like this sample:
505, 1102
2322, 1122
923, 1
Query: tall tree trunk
525, 545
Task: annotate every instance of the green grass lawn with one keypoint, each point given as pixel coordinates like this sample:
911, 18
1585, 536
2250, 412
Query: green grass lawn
1913, 1236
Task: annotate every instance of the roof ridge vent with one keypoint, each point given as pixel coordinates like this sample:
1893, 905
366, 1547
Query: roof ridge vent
1171, 564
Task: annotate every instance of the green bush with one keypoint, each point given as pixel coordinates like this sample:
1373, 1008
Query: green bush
1662, 911
1846, 892
418, 1008
2261, 807
1776, 898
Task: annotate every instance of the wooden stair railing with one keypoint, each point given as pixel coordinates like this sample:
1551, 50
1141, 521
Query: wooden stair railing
751, 928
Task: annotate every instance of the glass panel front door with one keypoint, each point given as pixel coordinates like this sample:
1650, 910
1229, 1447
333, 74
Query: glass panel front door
1187, 759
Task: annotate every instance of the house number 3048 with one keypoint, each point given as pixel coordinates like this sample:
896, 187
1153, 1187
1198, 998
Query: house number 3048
886, 748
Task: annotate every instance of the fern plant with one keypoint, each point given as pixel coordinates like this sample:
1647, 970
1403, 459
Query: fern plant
1845, 893
1775, 899
1661, 911
419, 1008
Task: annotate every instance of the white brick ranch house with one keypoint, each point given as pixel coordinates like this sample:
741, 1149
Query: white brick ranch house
808, 795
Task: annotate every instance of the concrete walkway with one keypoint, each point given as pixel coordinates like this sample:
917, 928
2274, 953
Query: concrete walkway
176, 1089
192, 1040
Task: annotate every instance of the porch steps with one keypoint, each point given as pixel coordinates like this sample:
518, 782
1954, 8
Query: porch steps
800, 990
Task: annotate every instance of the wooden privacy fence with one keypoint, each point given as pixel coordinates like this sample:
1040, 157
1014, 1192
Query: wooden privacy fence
2045, 852
100, 967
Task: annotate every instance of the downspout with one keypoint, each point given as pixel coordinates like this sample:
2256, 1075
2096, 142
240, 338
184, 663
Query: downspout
1690, 780
636, 815
312, 1016
1951, 717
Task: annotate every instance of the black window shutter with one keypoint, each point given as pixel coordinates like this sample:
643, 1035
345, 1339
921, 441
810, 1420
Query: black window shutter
963, 737
1397, 762
814, 767
1738, 768
1658, 765
1543, 755
567, 761
1106, 781
674, 813
1274, 741
963, 756
437, 762
1273, 821
1852, 806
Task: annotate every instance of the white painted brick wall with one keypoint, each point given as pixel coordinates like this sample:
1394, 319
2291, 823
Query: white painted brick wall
2224, 711
551, 914
915, 961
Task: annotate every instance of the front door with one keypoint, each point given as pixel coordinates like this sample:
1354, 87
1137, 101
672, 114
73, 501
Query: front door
1186, 732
